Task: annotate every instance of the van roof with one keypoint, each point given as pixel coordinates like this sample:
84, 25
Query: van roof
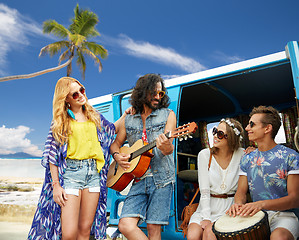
211, 73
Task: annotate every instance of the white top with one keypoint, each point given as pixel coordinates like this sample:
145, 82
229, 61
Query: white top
215, 181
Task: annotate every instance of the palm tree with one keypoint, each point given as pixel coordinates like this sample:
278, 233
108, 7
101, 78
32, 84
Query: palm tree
74, 40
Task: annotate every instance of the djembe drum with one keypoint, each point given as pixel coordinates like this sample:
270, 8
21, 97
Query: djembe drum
254, 227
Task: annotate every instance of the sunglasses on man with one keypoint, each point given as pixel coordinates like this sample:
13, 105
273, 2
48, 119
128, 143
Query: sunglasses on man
220, 134
160, 93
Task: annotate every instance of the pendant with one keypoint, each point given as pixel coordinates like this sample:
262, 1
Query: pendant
223, 186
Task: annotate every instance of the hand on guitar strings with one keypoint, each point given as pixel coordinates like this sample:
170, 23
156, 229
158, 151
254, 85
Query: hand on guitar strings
122, 160
164, 144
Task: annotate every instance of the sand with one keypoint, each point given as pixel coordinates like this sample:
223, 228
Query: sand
14, 230
18, 207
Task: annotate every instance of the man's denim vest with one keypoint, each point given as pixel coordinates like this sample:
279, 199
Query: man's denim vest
162, 166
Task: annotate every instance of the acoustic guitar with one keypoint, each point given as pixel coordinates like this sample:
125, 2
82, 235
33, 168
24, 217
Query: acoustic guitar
140, 158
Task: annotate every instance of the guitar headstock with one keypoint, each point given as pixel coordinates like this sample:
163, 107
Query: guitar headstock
185, 131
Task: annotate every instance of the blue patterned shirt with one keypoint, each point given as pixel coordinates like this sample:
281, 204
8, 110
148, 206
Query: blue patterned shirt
46, 222
267, 171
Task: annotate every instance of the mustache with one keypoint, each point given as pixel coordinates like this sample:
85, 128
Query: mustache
156, 100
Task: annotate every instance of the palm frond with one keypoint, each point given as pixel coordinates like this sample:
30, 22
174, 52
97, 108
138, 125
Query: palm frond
94, 57
51, 26
77, 39
54, 48
84, 23
97, 49
66, 54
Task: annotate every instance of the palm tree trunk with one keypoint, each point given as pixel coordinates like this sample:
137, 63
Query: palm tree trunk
31, 75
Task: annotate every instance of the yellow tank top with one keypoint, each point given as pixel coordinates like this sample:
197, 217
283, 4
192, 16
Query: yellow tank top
84, 144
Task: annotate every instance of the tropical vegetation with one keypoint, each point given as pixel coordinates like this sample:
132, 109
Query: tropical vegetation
74, 43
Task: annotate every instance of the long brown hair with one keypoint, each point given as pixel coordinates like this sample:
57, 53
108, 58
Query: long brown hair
61, 120
147, 85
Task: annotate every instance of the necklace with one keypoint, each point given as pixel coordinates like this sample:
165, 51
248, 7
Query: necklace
223, 185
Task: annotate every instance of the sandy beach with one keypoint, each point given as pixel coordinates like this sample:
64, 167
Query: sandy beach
18, 200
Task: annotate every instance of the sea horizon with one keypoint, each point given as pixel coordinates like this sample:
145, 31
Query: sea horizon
21, 167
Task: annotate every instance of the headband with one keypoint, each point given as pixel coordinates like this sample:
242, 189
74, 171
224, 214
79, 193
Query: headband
229, 123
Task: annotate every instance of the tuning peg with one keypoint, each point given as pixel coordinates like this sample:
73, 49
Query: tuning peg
190, 136
181, 139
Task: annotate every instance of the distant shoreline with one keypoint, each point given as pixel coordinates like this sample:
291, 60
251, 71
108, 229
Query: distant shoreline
29, 180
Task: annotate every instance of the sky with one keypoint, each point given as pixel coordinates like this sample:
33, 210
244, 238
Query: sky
169, 37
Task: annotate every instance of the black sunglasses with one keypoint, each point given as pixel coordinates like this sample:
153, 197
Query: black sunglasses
251, 124
75, 95
220, 134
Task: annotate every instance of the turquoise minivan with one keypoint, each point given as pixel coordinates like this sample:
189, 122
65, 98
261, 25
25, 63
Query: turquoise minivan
205, 98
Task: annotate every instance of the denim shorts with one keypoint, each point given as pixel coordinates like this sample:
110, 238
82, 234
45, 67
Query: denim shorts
81, 174
147, 202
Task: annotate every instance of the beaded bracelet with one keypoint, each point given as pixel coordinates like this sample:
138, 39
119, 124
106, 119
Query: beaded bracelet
54, 182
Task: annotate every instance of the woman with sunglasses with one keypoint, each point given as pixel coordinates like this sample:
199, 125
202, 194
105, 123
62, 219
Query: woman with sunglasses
72, 204
218, 169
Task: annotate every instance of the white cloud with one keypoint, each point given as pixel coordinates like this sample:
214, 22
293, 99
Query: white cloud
222, 57
168, 77
154, 53
14, 140
14, 29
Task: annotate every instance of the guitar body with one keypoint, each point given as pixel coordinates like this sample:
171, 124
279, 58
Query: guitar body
139, 165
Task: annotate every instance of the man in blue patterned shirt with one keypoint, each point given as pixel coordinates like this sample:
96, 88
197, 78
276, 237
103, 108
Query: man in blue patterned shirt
271, 173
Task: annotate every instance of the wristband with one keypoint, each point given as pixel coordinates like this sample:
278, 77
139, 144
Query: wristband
114, 154
54, 182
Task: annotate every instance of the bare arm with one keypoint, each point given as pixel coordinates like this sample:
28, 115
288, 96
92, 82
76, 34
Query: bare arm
279, 204
59, 194
163, 143
121, 158
240, 196
118, 123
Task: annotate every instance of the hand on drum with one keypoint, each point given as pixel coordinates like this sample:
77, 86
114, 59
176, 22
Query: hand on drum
245, 209
250, 208
233, 210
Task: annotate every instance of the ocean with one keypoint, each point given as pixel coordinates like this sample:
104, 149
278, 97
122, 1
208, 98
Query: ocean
21, 168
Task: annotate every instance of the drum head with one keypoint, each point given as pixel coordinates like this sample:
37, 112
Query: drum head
231, 224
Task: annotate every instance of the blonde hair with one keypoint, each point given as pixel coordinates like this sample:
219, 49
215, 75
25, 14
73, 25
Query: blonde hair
61, 120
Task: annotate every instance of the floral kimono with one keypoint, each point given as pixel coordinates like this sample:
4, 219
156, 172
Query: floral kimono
46, 222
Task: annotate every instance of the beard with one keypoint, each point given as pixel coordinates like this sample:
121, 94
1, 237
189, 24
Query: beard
150, 104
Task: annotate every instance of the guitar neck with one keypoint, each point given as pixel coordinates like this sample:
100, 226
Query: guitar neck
142, 150
146, 148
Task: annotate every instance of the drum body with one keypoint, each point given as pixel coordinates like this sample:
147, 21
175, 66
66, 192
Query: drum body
243, 228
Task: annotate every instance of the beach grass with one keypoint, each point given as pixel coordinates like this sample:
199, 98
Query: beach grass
19, 215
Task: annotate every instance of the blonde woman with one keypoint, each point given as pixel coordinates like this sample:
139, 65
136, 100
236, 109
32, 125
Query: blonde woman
72, 204
217, 183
